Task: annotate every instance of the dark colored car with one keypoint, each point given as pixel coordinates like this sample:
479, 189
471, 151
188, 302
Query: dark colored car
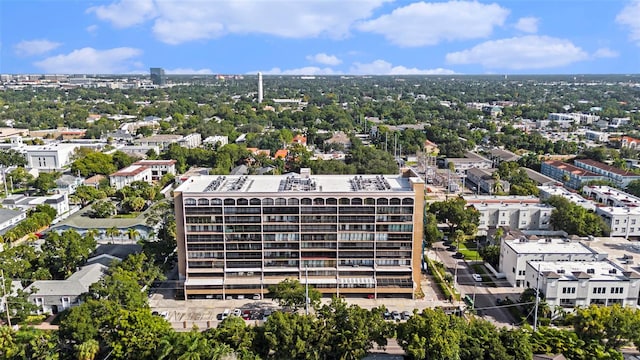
458, 255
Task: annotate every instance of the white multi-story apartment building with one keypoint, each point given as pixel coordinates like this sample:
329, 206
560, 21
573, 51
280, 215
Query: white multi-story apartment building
549, 191
621, 210
49, 157
514, 212
579, 283
131, 173
618, 176
159, 168
343, 234
514, 255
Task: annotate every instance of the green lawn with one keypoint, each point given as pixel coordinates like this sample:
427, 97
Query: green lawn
126, 216
469, 253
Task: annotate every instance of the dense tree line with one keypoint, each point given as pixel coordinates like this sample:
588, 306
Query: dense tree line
574, 219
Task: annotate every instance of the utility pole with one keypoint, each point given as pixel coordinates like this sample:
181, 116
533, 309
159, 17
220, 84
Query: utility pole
535, 311
4, 296
306, 290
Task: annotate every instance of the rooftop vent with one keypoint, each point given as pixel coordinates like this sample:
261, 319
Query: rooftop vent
591, 271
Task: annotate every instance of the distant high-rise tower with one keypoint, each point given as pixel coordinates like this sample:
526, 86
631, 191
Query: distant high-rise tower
260, 87
158, 76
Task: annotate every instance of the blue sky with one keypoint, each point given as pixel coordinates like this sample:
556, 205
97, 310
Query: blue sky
313, 37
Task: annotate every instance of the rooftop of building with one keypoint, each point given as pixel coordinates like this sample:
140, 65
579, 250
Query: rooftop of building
293, 183
160, 137
570, 168
607, 167
538, 177
497, 199
504, 155
130, 170
155, 162
548, 246
573, 197
620, 197
573, 270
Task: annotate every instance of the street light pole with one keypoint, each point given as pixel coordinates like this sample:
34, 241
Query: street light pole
306, 290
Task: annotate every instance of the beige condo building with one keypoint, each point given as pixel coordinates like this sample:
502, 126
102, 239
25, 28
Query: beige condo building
343, 234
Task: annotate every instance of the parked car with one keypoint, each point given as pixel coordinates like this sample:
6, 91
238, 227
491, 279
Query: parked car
257, 297
387, 315
395, 315
236, 312
458, 255
406, 315
476, 277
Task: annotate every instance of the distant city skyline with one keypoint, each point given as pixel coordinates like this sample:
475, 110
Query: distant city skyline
320, 37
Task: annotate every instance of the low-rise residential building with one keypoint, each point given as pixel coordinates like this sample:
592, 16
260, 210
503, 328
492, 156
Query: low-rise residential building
94, 181
620, 177
217, 140
629, 142
191, 141
485, 183
554, 190
570, 175
538, 178
581, 283
10, 218
470, 161
597, 136
131, 173
611, 196
54, 156
140, 151
162, 142
60, 202
512, 212
300, 139
498, 155
339, 138
514, 255
68, 183
159, 168
54, 296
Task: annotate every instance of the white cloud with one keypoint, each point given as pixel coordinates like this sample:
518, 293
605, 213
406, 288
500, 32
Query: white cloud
188, 20
308, 70
629, 16
518, 53
605, 53
92, 28
125, 13
35, 47
91, 61
528, 24
381, 67
189, 71
322, 58
423, 23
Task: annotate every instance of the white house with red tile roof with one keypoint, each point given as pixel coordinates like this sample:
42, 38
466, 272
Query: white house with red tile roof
132, 173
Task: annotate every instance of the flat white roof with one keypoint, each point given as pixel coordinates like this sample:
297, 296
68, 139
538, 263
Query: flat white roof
295, 184
620, 197
597, 270
542, 246
573, 197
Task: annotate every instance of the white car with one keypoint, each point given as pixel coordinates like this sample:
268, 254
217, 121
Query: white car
236, 312
476, 277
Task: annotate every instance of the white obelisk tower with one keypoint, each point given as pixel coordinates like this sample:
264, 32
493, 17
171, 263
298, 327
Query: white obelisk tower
260, 88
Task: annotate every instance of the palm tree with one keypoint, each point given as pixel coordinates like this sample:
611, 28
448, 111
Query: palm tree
112, 232
88, 349
132, 233
94, 233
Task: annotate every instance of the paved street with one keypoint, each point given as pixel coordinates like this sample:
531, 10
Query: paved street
485, 295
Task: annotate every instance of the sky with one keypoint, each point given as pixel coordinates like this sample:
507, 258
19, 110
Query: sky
320, 37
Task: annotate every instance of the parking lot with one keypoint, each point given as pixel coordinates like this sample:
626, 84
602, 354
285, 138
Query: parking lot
204, 313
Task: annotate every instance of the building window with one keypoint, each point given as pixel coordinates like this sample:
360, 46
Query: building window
617, 290
633, 221
617, 221
568, 290
599, 290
